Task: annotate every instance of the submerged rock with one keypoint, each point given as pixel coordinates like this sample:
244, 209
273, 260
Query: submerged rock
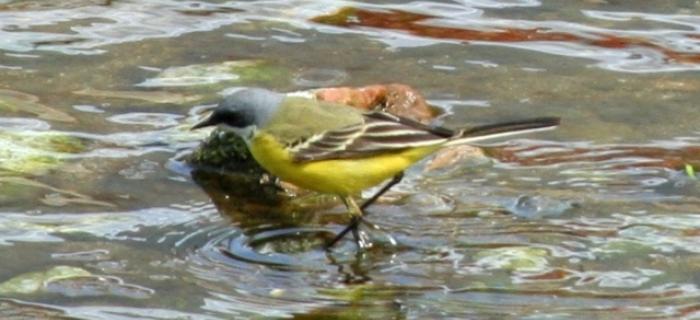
95, 286
16, 190
15, 101
14, 310
527, 259
72, 282
227, 151
398, 99
34, 282
539, 206
229, 72
35, 152
150, 96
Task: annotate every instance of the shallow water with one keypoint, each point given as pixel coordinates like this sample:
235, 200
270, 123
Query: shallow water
101, 219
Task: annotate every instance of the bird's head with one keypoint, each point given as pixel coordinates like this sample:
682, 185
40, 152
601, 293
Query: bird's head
243, 111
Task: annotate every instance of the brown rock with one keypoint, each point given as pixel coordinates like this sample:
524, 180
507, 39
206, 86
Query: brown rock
362, 98
398, 99
404, 101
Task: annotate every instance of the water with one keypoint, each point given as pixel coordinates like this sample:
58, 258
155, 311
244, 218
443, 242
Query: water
101, 219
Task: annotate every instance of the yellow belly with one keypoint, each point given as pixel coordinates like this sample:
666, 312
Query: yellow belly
342, 177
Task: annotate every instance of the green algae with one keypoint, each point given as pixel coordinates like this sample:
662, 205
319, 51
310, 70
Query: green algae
217, 74
35, 153
690, 171
225, 150
34, 282
20, 102
527, 259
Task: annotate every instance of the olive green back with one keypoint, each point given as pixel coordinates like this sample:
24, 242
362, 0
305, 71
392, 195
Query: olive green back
299, 118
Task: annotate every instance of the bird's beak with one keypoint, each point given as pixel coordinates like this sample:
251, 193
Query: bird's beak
206, 122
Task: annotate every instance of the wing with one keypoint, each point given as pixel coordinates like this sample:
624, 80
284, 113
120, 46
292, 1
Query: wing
379, 132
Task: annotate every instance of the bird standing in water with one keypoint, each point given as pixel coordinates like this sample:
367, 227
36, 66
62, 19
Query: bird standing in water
337, 149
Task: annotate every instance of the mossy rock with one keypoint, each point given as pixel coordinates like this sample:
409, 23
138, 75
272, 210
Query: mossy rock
222, 75
37, 152
226, 151
34, 282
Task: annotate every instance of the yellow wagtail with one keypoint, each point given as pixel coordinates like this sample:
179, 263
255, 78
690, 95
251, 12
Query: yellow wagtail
334, 148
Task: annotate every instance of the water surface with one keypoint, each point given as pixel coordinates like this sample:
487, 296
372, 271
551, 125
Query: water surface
598, 219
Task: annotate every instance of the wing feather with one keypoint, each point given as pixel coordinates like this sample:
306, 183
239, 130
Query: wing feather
379, 132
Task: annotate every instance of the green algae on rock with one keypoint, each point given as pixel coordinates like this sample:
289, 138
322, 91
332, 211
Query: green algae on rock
149, 96
227, 151
525, 259
34, 282
35, 153
15, 101
71, 281
230, 72
690, 171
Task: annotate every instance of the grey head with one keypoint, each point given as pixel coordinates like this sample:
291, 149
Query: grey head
243, 111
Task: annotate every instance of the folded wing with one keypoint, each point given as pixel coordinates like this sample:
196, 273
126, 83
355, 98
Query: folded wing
380, 132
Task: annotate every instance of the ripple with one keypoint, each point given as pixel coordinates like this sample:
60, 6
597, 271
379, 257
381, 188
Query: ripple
24, 124
625, 49
500, 4
570, 229
276, 247
151, 119
314, 78
19, 227
92, 255
657, 50
110, 312
92, 286
124, 21
254, 275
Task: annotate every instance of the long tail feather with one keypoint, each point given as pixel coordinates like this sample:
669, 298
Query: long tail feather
504, 129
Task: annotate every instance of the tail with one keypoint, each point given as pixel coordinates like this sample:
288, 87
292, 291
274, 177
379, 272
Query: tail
504, 129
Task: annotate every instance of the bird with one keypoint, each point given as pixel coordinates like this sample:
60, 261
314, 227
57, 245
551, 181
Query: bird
333, 148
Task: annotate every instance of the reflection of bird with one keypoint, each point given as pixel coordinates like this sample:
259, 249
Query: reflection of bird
333, 148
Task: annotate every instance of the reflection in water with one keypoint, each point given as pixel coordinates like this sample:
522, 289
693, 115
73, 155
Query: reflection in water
122, 22
566, 256
599, 218
668, 49
642, 55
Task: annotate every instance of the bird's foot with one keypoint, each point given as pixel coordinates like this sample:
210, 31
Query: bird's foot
352, 226
362, 239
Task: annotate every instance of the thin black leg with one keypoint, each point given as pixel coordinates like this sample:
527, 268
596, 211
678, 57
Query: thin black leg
356, 236
352, 226
396, 179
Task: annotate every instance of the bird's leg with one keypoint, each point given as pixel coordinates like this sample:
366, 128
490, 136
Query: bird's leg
357, 218
356, 212
396, 179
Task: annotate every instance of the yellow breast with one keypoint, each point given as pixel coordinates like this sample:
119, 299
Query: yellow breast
340, 176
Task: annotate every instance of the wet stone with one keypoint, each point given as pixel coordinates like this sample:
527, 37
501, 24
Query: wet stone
539, 206
14, 310
34, 282
94, 286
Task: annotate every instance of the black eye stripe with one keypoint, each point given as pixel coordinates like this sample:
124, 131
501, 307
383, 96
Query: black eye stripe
234, 118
